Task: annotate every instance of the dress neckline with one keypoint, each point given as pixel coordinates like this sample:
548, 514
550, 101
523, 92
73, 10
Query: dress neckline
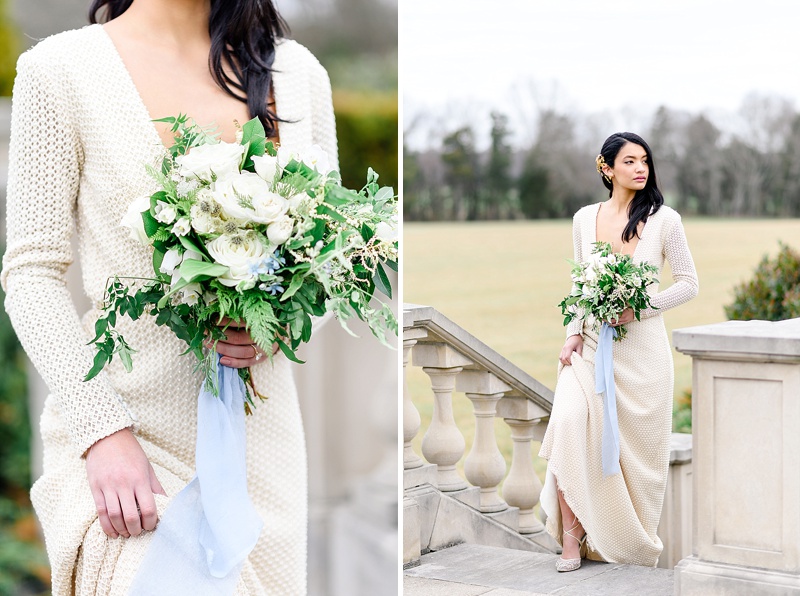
641, 235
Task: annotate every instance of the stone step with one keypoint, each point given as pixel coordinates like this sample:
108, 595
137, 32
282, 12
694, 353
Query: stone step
475, 570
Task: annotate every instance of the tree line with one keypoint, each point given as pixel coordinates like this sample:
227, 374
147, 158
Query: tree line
751, 169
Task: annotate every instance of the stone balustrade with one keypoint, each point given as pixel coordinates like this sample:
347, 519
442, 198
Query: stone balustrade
455, 361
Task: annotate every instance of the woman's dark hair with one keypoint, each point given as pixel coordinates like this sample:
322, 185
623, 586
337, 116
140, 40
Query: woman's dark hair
243, 34
647, 200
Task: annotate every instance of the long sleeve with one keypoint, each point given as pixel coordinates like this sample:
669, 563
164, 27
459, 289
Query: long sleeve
684, 274
44, 176
576, 326
323, 123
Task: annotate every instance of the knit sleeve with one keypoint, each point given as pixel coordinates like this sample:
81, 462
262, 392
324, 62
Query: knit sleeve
576, 326
44, 175
323, 123
684, 274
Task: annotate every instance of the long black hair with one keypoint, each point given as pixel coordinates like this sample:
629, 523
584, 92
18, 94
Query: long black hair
647, 200
243, 35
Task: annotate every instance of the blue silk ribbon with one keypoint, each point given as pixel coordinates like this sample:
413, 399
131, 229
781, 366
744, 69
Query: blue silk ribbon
604, 385
211, 526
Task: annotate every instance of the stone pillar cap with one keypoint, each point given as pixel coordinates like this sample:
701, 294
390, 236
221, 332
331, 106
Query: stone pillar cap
749, 340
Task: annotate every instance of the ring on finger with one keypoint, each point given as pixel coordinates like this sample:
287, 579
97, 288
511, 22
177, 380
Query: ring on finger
257, 354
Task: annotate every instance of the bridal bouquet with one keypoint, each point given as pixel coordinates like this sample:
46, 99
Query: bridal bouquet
605, 285
257, 235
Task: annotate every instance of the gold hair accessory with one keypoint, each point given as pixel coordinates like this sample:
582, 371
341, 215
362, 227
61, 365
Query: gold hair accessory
600, 161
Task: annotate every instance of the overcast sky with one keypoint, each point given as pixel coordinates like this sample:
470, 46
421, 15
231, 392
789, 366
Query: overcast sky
620, 56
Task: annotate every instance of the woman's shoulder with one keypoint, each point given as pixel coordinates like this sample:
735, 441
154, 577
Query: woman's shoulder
585, 212
292, 56
62, 49
667, 216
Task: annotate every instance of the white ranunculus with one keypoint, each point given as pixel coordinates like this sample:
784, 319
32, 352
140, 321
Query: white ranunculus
280, 231
165, 213
387, 232
133, 219
171, 260
267, 206
266, 167
182, 227
236, 252
207, 162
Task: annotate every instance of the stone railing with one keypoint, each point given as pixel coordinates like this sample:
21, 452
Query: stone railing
455, 360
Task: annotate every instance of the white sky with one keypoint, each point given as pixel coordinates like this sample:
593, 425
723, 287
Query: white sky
621, 56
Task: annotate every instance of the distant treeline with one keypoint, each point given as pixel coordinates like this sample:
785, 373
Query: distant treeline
701, 169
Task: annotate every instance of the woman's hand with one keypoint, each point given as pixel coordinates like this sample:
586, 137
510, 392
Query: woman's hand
123, 483
238, 349
626, 316
574, 343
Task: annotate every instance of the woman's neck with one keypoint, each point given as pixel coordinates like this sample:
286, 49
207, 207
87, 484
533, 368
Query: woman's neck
621, 199
171, 22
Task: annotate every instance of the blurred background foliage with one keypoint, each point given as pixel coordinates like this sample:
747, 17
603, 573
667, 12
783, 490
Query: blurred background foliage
356, 41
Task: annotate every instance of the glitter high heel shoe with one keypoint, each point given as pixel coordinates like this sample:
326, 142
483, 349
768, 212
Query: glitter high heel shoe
572, 564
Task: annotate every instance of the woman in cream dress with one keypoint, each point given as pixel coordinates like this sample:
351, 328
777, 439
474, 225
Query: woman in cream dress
616, 516
117, 448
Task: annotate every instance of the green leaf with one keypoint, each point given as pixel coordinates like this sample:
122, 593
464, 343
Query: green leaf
331, 213
287, 351
151, 225
158, 258
100, 327
100, 360
366, 232
384, 194
125, 356
297, 281
392, 265
192, 270
382, 281
190, 244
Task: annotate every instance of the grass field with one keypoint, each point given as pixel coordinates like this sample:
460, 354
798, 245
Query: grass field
501, 281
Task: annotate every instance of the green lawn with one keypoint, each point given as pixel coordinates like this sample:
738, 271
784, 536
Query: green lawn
501, 281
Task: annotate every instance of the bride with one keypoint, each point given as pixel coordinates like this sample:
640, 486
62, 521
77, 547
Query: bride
117, 448
614, 518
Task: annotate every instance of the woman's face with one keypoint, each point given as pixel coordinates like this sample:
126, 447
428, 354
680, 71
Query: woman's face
630, 169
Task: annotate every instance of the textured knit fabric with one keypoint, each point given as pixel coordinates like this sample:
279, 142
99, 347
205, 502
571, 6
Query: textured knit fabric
80, 139
620, 513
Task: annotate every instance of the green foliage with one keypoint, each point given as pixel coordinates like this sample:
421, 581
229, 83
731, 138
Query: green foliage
682, 414
9, 51
366, 125
773, 293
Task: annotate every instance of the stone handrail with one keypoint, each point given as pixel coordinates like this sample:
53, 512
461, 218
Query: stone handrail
453, 359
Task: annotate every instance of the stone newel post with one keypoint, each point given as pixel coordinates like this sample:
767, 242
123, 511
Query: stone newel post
746, 440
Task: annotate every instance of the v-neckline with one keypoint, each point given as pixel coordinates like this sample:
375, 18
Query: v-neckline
145, 113
641, 234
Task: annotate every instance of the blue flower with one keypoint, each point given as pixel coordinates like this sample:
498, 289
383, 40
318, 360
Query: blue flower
275, 288
268, 265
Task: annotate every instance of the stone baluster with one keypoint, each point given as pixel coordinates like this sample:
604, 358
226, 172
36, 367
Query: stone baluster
411, 419
484, 466
443, 444
522, 487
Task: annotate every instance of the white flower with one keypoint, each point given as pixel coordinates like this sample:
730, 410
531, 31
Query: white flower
313, 156
203, 222
190, 293
266, 205
209, 162
182, 227
165, 213
171, 260
295, 200
280, 231
236, 252
266, 167
133, 219
590, 273
386, 231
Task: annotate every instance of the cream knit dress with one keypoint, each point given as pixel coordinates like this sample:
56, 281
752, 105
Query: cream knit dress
620, 513
80, 139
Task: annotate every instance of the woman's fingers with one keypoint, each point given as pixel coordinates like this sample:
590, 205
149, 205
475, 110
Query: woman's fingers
148, 513
155, 485
114, 510
102, 513
130, 513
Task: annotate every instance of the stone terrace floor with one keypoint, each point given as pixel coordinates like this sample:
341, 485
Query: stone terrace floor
473, 570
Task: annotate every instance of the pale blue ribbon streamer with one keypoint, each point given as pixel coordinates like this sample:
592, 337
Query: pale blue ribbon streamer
211, 526
604, 385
